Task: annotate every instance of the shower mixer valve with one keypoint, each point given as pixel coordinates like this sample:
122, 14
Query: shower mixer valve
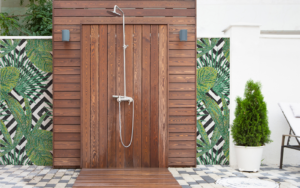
123, 98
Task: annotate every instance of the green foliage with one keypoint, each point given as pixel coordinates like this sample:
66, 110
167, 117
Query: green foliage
8, 78
206, 78
39, 54
41, 2
38, 19
205, 45
250, 126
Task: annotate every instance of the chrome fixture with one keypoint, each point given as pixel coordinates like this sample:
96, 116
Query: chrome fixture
183, 35
65, 35
119, 97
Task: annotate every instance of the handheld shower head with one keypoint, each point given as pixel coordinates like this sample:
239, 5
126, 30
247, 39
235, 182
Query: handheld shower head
115, 11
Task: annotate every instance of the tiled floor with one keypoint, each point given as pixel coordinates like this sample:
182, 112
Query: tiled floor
202, 176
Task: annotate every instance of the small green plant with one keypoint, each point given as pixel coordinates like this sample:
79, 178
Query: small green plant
250, 126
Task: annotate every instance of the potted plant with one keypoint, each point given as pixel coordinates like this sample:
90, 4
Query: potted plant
250, 130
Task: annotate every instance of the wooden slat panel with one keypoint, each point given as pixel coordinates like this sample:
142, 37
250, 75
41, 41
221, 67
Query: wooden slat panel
174, 37
182, 62
146, 97
128, 12
154, 96
103, 98
163, 96
137, 46
182, 128
182, 120
182, 103
94, 100
67, 128
86, 98
66, 70
66, 137
66, 103
124, 4
66, 120
182, 95
182, 70
182, 136
182, 86
66, 161
176, 28
182, 111
182, 161
71, 28
182, 46
67, 153
181, 144
66, 111
66, 62
129, 92
66, 95
182, 78
182, 153
66, 45
182, 53
129, 20
120, 150
66, 54
66, 87
66, 145
65, 78
74, 37
111, 139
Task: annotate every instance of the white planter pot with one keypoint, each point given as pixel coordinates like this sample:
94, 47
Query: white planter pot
249, 158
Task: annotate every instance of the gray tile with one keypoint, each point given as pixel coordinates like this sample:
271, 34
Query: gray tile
200, 181
192, 173
278, 180
208, 179
186, 186
45, 180
63, 181
192, 183
50, 185
179, 178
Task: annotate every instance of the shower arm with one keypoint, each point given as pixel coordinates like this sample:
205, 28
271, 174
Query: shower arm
124, 48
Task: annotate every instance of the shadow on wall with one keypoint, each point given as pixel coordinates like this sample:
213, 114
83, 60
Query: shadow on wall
25, 102
213, 90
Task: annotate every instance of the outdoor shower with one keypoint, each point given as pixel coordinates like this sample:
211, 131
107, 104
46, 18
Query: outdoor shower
119, 97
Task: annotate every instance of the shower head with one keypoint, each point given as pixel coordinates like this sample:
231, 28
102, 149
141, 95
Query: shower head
115, 11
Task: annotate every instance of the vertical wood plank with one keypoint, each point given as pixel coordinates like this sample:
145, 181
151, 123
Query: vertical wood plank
103, 96
154, 96
86, 84
94, 98
129, 92
120, 151
137, 144
163, 96
146, 97
111, 139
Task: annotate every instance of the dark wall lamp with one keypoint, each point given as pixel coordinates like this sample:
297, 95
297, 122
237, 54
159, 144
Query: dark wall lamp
65, 35
183, 35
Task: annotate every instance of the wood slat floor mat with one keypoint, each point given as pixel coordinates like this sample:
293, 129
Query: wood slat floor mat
127, 177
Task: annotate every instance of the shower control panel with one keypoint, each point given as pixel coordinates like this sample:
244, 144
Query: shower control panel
123, 98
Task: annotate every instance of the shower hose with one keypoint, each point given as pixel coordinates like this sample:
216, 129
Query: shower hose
131, 125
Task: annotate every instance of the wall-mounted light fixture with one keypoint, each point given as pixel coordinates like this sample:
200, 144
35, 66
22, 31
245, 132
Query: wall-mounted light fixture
183, 35
66, 35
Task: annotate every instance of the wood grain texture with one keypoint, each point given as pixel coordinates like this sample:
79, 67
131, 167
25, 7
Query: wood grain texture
124, 4
129, 20
182, 86
66, 70
182, 70
94, 97
163, 96
66, 45
182, 162
182, 128
182, 95
181, 154
103, 97
74, 37
66, 161
181, 111
129, 92
182, 53
182, 62
174, 37
66, 87
66, 120
182, 120
86, 98
182, 136
66, 62
67, 128
182, 78
69, 54
66, 137
177, 28
128, 12
111, 136
137, 84
66, 145
182, 144
154, 77
66, 95
182, 46
75, 153
146, 96
66, 112
66, 78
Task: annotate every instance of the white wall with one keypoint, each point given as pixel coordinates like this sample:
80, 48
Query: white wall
274, 60
214, 15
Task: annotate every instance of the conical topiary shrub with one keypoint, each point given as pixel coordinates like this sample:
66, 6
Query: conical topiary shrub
250, 126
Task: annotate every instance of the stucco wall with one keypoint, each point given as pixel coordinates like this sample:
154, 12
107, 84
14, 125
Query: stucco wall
274, 61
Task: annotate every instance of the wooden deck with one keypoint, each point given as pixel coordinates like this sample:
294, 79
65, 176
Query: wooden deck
128, 177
